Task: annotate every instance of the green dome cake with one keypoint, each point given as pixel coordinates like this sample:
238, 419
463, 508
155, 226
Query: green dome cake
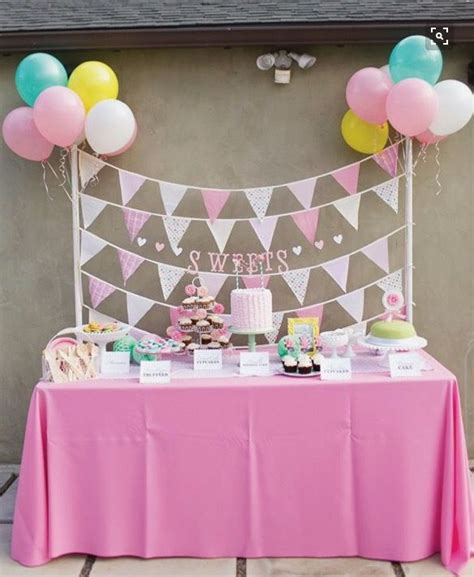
392, 330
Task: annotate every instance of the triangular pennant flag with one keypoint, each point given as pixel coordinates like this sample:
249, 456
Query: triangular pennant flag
265, 229
90, 246
388, 192
129, 263
214, 201
213, 282
304, 191
297, 280
378, 253
137, 307
169, 278
348, 177
353, 303
259, 199
129, 185
338, 270
392, 282
316, 311
256, 281
221, 230
171, 195
359, 328
89, 166
134, 221
307, 222
271, 336
349, 208
175, 230
91, 208
388, 159
99, 291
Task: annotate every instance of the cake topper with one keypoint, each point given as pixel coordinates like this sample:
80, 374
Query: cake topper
393, 303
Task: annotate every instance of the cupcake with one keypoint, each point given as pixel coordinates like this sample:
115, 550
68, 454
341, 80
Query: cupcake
289, 364
186, 340
206, 302
317, 361
191, 348
305, 365
217, 322
185, 323
188, 304
224, 342
206, 340
194, 319
214, 346
203, 326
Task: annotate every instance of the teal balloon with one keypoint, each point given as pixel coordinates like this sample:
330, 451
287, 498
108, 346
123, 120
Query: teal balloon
37, 72
416, 57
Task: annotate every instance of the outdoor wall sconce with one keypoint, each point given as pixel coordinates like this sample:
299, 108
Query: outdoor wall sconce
282, 61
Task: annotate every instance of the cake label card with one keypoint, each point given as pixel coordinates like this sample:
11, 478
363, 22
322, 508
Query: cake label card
155, 372
115, 363
405, 365
254, 364
207, 360
336, 369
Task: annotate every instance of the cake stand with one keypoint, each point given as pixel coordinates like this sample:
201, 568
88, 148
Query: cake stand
395, 346
102, 339
252, 341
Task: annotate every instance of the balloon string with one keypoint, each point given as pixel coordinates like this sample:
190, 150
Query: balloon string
45, 184
62, 165
57, 178
438, 170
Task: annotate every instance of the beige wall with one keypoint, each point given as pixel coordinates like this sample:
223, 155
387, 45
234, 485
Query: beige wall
209, 117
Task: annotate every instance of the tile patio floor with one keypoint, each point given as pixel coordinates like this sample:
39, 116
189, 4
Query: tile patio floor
88, 566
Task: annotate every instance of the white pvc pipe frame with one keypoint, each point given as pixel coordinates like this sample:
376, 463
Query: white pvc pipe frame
78, 297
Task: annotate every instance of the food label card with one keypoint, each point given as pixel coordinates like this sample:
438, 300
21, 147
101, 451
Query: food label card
336, 369
405, 364
254, 364
155, 372
115, 363
207, 360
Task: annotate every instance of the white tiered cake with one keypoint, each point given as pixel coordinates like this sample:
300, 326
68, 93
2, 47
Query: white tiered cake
251, 309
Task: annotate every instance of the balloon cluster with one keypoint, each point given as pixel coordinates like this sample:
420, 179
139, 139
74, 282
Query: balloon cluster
405, 93
64, 112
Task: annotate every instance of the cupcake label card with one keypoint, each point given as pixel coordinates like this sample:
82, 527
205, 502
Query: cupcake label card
336, 369
207, 360
254, 364
155, 372
405, 364
115, 363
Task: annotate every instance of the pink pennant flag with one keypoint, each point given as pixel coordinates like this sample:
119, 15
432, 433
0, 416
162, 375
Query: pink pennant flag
134, 221
315, 311
213, 282
174, 315
129, 263
378, 253
265, 229
304, 191
255, 281
214, 200
388, 159
307, 222
348, 177
129, 184
338, 270
99, 291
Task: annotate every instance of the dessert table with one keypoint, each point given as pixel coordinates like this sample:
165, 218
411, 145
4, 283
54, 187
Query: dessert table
246, 467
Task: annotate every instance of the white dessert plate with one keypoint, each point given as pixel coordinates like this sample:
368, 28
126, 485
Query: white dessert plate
298, 375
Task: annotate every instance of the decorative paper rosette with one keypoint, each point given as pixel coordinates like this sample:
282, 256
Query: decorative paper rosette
393, 301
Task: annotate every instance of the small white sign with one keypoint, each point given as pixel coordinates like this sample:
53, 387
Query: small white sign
405, 364
254, 364
115, 363
207, 360
155, 372
335, 369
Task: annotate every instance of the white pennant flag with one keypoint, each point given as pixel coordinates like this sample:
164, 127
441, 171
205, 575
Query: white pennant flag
359, 328
89, 166
175, 229
349, 208
213, 282
172, 195
169, 278
91, 208
265, 229
271, 336
297, 280
90, 246
259, 199
221, 230
388, 192
137, 307
97, 317
392, 282
353, 303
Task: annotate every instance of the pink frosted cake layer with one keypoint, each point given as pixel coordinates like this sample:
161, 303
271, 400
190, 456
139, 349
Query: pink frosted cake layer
251, 309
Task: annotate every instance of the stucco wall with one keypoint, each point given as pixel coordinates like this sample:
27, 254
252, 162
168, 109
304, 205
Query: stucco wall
209, 116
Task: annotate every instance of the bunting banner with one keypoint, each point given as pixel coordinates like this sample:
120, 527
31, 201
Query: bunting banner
297, 280
214, 201
315, 311
256, 281
213, 282
392, 282
129, 184
91, 208
388, 159
99, 291
388, 192
171, 195
169, 278
353, 304
137, 307
129, 263
304, 191
175, 230
348, 177
134, 221
265, 229
259, 199
377, 252
338, 270
349, 208
89, 167
221, 230
90, 246
307, 222
271, 336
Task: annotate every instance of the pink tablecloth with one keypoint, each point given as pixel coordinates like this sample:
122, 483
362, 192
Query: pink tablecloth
247, 467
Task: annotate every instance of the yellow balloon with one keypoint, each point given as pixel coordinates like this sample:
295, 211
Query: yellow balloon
92, 82
363, 136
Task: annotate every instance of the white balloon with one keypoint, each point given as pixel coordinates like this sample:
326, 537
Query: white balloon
110, 125
386, 70
454, 107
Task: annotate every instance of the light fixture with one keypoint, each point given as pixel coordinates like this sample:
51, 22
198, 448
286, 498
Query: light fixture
282, 61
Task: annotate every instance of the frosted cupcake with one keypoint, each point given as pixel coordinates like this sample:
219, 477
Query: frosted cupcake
203, 326
185, 323
290, 364
317, 361
189, 303
217, 322
305, 365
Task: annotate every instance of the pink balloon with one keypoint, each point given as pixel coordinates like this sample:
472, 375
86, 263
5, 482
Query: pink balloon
21, 135
411, 106
366, 94
428, 137
59, 115
127, 146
